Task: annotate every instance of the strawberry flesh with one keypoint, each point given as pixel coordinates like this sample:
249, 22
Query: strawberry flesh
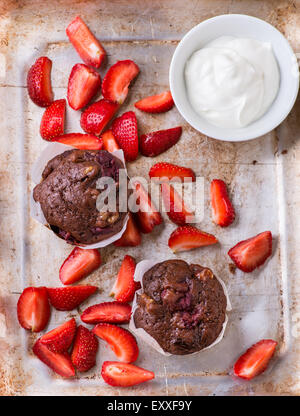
131, 237
222, 210
39, 82
124, 287
80, 141
174, 205
79, 264
168, 171
159, 103
60, 338
33, 308
97, 116
53, 120
119, 374
125, 131
157, 142
68, 298
109, 142
110, 312
85, 349
253, 252
188, 237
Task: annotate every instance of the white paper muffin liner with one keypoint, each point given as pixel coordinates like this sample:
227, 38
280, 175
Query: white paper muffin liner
53, 149
141, 268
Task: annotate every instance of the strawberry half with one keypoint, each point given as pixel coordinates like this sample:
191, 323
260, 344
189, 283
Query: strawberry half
159, 103
53, 120
171, 172
110, 312
85, 349
125, 131
121, 341
147, 216
117, 79
131, 237
59, 362
87, 46
255, 360
79, 264
124, 288
33, 308
80, 141
222, 210
39, 82
157, 142
68, 298
83, 85
97, 116
119, 374
188, 237
174, 205
109, 142
60, 338
252, 253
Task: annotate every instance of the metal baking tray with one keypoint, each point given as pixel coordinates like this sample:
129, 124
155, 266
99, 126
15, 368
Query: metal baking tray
263, 177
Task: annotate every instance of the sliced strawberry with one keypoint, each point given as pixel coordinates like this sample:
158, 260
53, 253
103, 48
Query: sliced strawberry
59, 362
68, 298
109, 142
131, 237
188, 237
119, 374
121, 341
117, 79
33, 308
79, 264
60, 338
85, 349
222, 210
87, 46
124, 287
110, 312
83, 85
147, 216
53, 120
80, 141
255, 360
252, 253
168, 171
159, 103
157, 142
125, 131
97, 116
174, 205
39, 82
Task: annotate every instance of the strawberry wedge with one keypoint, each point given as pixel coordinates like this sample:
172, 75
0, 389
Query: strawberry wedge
68, 298
87, 46
109, 142
125, 287
109, 312
97, 116
80, 141
33, 308
60, 338
131, 237
168, 171
188, 237
39, 82
79, 264
125, 131
53, 120
119, 374
159, 103
222, 210
85, 349
174, 205
154, 143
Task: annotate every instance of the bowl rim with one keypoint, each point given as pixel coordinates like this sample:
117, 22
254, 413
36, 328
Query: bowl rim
242, 134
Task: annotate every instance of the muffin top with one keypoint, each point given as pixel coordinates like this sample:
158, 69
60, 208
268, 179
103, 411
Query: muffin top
67, 195
182, 306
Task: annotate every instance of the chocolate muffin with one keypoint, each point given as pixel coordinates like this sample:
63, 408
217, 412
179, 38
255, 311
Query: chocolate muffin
182, 306
67, 195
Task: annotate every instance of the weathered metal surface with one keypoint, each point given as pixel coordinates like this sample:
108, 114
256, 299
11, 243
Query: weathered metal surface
263, 176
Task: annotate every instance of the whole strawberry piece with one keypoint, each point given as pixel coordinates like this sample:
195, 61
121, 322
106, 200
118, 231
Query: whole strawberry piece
125, 131
68, 298
39, 82
53, 120
97, 116
85, 349
60, 338
157, 142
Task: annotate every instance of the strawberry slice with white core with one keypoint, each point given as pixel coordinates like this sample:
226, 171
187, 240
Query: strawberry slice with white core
68, 298
60, 338
119, 374
168, 171
255, 360
53, 120
121, 341
252, 253
33, 308
159, 103
39, 82
125, 131
109, 312
117, 80
83, 85
59, 362
80, 141
109, 142
188, 237
131, 237
85, 349
79, 264
147, 216
87, 46
222, 210
174, 205
124, 287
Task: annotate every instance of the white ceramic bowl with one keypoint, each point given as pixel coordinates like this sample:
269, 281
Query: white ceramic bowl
240, 26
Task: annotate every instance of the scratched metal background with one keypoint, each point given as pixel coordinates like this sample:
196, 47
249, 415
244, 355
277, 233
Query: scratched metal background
263, 175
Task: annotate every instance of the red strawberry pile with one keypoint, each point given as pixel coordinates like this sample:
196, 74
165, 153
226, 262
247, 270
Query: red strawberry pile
70, 348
